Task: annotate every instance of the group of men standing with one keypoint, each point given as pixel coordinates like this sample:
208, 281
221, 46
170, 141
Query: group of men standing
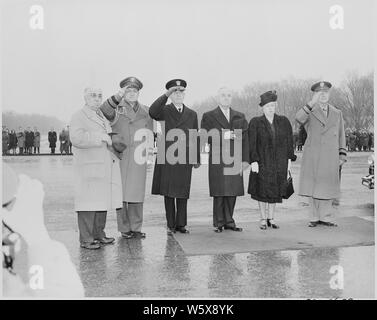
360, 140
105, 138
26, 141
64, 139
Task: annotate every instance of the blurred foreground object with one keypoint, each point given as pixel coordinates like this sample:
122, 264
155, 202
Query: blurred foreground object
51, 272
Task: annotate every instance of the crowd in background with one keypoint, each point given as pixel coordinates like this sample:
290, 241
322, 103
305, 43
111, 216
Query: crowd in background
356, 140
28, 142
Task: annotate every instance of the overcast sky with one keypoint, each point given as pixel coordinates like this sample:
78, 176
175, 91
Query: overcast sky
208, 43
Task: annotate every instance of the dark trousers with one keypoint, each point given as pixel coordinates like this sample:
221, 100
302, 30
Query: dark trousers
21, 150
223, 208
91, 225
52, 150
36, 149
176, 212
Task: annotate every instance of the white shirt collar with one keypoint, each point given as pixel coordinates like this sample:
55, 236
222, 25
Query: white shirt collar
226, 112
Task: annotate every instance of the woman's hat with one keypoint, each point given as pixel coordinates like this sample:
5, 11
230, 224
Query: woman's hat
267, 97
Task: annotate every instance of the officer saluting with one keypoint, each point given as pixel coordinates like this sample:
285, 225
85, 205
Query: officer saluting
173, 180
324, 154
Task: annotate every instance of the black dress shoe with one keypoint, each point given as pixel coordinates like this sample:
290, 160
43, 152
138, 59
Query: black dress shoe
218, 229
138, 234
182, 230
271, 224
233, 228
105, 240
313, 224
328, 224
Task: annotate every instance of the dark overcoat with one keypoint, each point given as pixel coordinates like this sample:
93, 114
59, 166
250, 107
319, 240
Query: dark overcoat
29, 139
272, 154
221, 184
174, 180
52, 137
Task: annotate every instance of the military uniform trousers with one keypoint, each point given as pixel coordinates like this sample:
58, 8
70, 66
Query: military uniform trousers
130, 217
321, 210
223, 208
176, 212
91, 225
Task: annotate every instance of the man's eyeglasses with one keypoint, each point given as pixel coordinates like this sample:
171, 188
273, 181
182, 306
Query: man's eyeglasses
95, 95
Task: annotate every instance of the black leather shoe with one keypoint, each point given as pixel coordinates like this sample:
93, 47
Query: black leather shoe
313, 224
106, 240
127, 235
138, 234
90, 245
328, 224
218, 229
233, 228
271, 224
182, 230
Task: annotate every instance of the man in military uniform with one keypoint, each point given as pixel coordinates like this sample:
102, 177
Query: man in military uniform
128, 117
173, 180
323, 156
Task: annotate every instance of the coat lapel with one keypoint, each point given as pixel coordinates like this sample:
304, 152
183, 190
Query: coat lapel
219, 116
331, 119
93, 116
319, 115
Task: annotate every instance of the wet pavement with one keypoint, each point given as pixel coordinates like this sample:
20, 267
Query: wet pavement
158, 267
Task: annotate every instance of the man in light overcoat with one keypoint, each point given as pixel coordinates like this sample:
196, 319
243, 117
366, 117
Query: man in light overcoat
324, 154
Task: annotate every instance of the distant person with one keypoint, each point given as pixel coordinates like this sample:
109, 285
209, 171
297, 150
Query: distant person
364, 140
5, 140
352, 140
69, 141
271, 153
358, 140
52, 138
29, 140
301, 137
22, 224
21, 140
37, 140
63, 142
13, 141
370, 141
323, 156
98, 186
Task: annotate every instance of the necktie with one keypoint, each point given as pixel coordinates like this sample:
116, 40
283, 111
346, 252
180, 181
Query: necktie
179, 109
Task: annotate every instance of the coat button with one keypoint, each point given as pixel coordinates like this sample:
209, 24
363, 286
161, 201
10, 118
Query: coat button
113, 160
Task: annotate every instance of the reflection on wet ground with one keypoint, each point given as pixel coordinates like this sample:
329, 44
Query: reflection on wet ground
158, 267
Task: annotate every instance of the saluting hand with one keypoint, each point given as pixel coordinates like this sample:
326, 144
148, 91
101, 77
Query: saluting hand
314, 99
171, 90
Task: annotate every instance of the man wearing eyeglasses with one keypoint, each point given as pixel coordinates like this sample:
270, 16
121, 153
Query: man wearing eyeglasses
173, 179
129, 117
98, 186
